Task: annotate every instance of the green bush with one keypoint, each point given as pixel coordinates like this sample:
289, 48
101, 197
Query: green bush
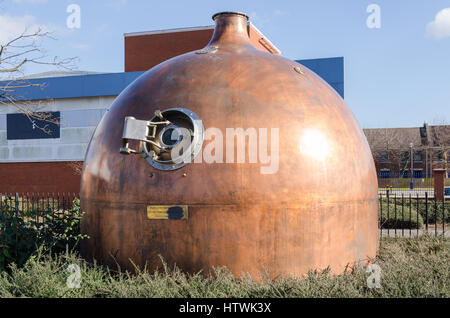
400, 219
23, 232
439, 211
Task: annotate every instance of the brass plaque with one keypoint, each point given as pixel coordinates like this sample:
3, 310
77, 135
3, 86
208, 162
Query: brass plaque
167, 212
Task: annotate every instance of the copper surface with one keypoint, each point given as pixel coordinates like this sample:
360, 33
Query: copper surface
318, 210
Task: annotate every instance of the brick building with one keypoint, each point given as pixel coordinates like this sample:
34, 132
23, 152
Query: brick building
393, 148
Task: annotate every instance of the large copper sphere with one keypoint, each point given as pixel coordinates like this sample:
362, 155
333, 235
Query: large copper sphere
318, 210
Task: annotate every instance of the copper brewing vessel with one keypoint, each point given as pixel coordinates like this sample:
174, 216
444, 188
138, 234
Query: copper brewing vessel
318, 210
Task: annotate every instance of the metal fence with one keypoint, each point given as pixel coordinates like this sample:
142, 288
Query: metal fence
400, 214
408, 215
37, 202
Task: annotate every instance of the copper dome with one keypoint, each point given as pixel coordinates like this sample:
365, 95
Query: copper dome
319, 209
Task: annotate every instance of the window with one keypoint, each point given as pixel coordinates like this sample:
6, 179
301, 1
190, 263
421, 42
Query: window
438, 155
20, 127
448, 156
384, 157
404, 156
418, 174
404, 174
385, 174
418, 156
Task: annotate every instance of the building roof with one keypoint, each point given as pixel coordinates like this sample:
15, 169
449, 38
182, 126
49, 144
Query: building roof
401, 138
59, 74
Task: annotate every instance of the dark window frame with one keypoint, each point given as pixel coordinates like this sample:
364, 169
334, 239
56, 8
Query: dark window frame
438, 158
404, 156
421, 156
20, 127
384, 157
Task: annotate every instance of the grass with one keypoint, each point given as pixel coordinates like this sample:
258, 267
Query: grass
410, 268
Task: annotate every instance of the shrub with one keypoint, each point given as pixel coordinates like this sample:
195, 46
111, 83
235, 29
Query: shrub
400, 219
436, 211
23, 232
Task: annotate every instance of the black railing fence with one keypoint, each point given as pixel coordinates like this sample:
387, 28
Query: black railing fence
37, 202
400, 214
407, 215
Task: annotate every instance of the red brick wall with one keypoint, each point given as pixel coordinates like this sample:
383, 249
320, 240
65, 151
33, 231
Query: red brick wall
51, 177
142, 52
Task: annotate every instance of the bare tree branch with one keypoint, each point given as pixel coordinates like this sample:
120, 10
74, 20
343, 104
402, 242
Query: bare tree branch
20, 51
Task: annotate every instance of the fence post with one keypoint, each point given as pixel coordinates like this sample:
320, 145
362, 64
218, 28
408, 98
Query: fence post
439, 175
426, 211
16, 199
16, 203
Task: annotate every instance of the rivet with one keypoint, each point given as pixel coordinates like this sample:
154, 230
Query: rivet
299, 70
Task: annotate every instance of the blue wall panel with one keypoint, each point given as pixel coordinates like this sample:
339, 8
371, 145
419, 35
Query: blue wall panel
330, 69
111, 84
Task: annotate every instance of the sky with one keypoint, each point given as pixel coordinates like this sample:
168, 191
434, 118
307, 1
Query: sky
396, 53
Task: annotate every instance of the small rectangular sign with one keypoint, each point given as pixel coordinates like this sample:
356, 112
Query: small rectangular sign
167, 212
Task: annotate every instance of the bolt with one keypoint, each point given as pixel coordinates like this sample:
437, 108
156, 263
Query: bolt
299, 70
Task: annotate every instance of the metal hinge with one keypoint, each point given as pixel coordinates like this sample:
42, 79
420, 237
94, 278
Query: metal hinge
140, 130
